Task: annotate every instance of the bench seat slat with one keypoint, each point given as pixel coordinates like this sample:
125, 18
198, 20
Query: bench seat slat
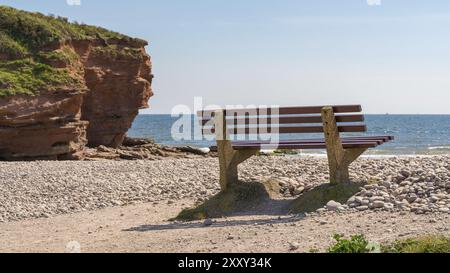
344, 139
302, 146
313, 143
306, 146
323, 146
379, 142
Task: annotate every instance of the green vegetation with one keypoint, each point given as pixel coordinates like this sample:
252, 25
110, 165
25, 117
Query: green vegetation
66, 55
359, 244
26, 55
285, 152
356, 244
27, 77
33, 31
117, 53
426, 244
10, 48
279, 152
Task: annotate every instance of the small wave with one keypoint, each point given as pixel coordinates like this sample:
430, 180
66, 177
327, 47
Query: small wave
267, 152
439, 147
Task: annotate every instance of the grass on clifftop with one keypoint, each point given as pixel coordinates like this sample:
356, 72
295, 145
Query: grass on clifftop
23, 62
33, 31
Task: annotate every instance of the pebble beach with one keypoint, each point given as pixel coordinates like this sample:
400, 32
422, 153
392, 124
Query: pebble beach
124, 206
42, 189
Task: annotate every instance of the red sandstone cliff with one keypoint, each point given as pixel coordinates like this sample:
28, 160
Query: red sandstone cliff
118, 88
116, 77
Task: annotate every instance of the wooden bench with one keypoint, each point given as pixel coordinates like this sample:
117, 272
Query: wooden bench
329, 120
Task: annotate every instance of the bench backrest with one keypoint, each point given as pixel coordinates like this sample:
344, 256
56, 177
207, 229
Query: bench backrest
285, 120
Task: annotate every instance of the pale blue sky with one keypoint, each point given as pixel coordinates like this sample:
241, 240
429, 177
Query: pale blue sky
393, 58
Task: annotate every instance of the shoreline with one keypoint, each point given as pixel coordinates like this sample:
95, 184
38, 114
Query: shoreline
379, 156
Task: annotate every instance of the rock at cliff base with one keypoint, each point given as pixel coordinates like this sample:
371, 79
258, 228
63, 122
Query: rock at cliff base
141, 149
194, 150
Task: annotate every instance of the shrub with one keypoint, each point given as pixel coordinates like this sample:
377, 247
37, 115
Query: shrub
11, 48
285, 152
356, 244
425, 244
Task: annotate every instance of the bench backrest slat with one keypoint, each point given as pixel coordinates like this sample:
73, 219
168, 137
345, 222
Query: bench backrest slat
284, 120
288, 110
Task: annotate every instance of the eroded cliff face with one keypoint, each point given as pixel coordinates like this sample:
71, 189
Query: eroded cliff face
119, 85
42, 127
115, 82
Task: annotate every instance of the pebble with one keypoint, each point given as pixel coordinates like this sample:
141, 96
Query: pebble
333, 206
293, 246
321, 210
445, 210
378, 204
299, 190
208, 223
405, 173
362, 208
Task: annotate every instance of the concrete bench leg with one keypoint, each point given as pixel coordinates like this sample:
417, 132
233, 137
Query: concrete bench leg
339, 159
339, 172
229, 159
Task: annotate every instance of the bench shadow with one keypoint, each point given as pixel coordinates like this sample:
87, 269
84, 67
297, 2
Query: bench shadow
256, 199
224, 223
241, 198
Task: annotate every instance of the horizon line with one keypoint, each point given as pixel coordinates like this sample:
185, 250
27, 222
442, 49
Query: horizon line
378, 114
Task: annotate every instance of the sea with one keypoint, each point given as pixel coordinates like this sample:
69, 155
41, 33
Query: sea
414, 134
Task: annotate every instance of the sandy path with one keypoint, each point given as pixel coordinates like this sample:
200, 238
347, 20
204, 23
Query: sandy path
143, 228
